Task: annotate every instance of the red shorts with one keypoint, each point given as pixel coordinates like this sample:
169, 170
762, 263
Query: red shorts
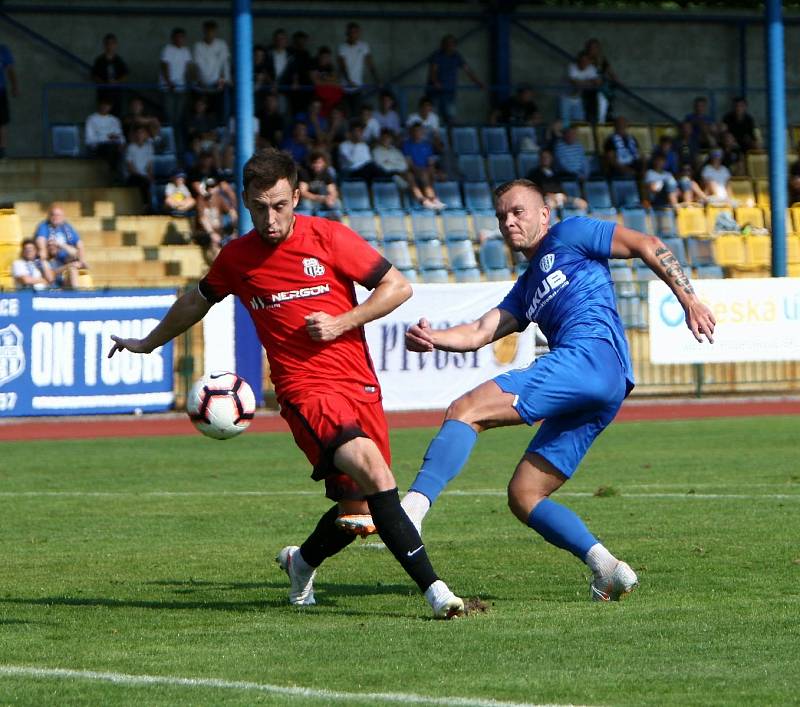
321, 423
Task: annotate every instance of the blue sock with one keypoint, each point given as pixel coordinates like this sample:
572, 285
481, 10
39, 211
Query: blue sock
446, 455
561, 527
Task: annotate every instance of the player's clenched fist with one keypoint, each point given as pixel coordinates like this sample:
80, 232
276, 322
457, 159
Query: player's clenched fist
419, 337
323, 327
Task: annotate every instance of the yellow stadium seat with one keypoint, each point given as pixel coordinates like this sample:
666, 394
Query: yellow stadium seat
585, 136
795, 218
741, 189
758, 251
729, 251
10, 227
794, 270
795, 135
8, 254
750, 216
643, 136
793, 250
788, 225
601, 132
713, 211
762, 193
661, 129
757, 165
691, 221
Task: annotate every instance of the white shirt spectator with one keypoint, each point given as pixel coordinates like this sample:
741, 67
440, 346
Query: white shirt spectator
353, 56
140, 156
372, 130
280, 58
28, 268
389, 158
177, 60
588, 73
720, 176
181, 189
431, 123
103, 128
354, 155
213, 61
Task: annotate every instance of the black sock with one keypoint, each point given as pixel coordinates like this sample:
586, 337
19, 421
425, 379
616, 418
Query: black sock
401, 537
326, 539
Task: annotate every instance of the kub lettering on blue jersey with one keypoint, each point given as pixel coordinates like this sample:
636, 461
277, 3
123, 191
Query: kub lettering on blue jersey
553, 281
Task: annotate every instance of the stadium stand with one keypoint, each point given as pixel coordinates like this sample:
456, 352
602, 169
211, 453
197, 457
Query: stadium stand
386, 197
478, 196
495, 140
393, 226
464, 140
493, 259
526, 163
461, 255
455, 226
625, 193
597, 194
522, 137
691, 221
471, 168
423, 226
66, 140
355, 196
500, 168
363, 223
637, 218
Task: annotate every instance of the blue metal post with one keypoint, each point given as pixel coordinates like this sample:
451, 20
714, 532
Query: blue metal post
776, 101
243, 88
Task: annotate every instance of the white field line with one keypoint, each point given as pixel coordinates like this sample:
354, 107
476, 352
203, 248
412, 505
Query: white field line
219, 684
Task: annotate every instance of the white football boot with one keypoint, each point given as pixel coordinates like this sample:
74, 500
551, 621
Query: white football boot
444, 603
616, 586
301, 591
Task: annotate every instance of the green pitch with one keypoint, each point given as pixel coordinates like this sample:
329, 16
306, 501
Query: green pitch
154, 557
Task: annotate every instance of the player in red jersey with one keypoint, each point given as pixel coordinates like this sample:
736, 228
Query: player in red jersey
295, 275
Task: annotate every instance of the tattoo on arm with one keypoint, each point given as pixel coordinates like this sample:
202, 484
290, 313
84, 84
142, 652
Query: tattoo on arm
674, 270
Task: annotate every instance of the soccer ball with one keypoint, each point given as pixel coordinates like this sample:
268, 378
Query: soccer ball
221, 405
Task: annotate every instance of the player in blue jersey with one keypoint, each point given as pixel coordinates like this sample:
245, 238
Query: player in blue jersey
576, 389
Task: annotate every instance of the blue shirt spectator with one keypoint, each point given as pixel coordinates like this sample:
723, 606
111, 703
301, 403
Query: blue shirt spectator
443, 68
420, 152
56, 228
297, 144
571, 157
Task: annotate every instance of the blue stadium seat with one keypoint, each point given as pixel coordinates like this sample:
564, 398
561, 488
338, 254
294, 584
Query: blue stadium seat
386, 197
494, 261
450, 194
597, 194
607, 214
526, 163
478, 196
464, 140
636, 218
485, 221
355, 196
471, 168
461, 255
678, 247
455, 225
625, 193
423, 225
624, 285
501, 168
572, 189
522, 136
66, 140
164, 167
363, 223
398, 254
631, 312
664, 223
468, 275
436, 275
165, 142
393, 226
568, 211
709, 272
495, 140
701, 252
642, 275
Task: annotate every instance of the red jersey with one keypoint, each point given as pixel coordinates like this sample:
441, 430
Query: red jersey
313, 270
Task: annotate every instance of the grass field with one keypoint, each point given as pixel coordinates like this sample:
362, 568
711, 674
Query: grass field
153, 557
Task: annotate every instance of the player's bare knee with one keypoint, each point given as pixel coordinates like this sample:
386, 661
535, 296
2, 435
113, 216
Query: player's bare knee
522, 499
464, 409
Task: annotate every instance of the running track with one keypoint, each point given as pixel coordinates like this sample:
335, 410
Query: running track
177, 424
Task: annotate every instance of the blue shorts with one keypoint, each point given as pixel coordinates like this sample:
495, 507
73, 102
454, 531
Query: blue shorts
577, 390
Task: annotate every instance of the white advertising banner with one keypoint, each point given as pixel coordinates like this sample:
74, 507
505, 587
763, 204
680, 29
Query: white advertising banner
757, 320
414, 381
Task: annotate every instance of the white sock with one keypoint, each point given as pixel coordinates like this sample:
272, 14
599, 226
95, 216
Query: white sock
416, 505
600, 560
437, 592
301, 566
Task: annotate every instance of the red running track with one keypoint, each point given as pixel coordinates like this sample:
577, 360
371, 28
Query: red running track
176, 424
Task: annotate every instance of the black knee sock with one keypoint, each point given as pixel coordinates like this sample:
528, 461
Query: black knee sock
326, 539
401, 537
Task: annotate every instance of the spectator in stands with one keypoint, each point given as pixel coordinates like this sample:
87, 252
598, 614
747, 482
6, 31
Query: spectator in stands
337, 130
421, 157
7, 73
216, 218
621, 149
392, 161
327, 86
139, 167
607, 76
794, 183
110, 70
732, 155
29, 270
570, 157
428, 117
666, 149
387, 116
175, 62
137, 118
64, 268
741, 124
443, 68
690, 192
205, 168
716, 176
553, 135
660, 184
519, 109
56, 228
212, 57
317, 125
687, 146
704, 130
298, 144
302, 65
353, 55
318, 187
355, 159
202, 125
104, 136
271, 121
584, 102
372, 128
178, 200
279, 68
545, 176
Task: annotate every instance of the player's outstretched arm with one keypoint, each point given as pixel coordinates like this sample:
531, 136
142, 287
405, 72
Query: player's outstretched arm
391, 291
493, 325
187, 310
628, 243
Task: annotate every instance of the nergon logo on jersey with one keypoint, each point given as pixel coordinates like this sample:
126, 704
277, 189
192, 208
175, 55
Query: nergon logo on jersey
258, 302
549, 288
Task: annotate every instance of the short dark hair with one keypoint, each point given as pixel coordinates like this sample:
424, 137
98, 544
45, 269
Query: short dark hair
27, 241
526, 183
210, 24
109, 37
176, 31
353, 25
267, 167
318, 155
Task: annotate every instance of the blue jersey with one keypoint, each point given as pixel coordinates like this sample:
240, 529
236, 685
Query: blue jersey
568, 291
63, 234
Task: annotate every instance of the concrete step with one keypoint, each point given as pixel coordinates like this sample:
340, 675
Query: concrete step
52, 173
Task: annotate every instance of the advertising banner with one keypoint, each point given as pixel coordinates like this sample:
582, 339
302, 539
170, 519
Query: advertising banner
54, 346
757, 320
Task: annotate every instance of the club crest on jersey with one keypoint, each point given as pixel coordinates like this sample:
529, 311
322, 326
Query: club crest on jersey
547, 262
312, 267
